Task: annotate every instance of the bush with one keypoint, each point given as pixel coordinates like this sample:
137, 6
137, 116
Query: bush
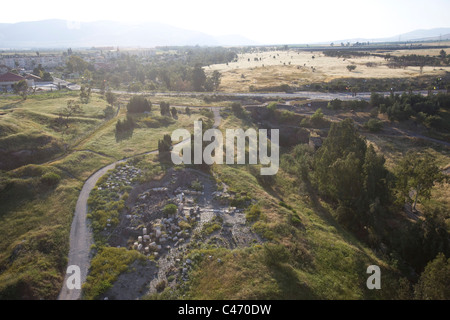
272, 106
237, 109
274, 254
197, 185
50, 179
161, 285
374, 125
170, 209
139, 104
253, 214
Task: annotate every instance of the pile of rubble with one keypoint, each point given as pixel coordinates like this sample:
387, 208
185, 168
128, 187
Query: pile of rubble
164, 233
122, 175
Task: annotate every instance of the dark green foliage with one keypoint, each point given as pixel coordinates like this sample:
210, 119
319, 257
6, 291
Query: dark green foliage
109, 112
420, 242
275, 254
418, 173
434, 282
139, 104
374, 125
253, 213
237, 109
164, 146
111, 98
165, 108
50, 179
352, 175
170, 209
125, 125
174, 112
424, 108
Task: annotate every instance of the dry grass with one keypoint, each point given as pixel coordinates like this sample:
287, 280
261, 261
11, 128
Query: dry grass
274, 68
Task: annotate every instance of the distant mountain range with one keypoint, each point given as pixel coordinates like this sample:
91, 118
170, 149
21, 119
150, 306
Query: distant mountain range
435, 34
63, 34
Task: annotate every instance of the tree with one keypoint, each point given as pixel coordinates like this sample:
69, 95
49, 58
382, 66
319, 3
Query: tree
418, 173
72, 108
164, 146
351, 67
198, 78
216, 77
139, 104
317, 117
434, 282
188, 111
338, 163
76, 64
111, 98
21, 88
237, 109
174, 112
84, 94
165, 108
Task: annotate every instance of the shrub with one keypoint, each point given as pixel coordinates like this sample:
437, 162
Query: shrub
253, 214
170, 209
237, 109
197, 185
139, 104
50, 179
274, 254
374, 125
161, 285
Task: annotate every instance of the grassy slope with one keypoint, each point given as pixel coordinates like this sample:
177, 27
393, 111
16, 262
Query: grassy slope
323, 260
35, 218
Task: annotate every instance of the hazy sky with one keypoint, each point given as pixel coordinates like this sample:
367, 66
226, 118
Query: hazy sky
275, 21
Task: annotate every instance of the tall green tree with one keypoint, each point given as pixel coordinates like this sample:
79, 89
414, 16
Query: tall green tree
198, 78
418, 174
434, 282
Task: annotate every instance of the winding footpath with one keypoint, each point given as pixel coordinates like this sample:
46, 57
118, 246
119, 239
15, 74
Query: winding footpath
81, 238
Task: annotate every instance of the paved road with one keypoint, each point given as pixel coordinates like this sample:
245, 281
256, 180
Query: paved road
80, 233
313, 95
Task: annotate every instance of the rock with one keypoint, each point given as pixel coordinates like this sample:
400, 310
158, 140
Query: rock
188, 261
219, 260
144, 231
175, 238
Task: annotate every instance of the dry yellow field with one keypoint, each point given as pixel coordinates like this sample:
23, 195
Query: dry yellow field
262, 69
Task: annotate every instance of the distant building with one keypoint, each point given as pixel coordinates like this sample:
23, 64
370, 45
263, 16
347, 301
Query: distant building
7, 80
31, 79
